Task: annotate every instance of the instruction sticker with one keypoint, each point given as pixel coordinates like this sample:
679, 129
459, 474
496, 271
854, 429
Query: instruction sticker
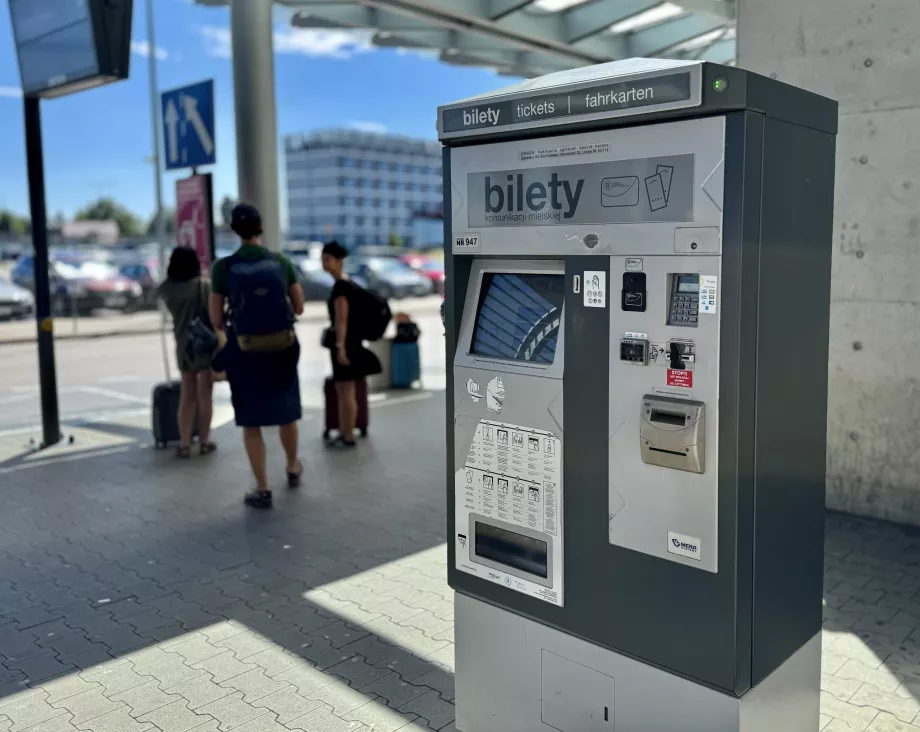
595, 289
709, 285
681, 378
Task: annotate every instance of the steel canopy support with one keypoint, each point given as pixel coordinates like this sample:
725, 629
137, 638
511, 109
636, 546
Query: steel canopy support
254, 103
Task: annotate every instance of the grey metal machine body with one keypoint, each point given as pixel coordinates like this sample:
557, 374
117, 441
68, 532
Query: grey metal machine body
638, 285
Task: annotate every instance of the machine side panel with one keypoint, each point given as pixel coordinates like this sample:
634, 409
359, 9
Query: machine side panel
791, 432
737, 364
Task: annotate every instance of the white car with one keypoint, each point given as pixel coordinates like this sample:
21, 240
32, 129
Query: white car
15, 302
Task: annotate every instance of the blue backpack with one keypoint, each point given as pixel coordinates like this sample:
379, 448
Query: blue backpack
258, 296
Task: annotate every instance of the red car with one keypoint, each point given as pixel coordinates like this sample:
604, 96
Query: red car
428, 267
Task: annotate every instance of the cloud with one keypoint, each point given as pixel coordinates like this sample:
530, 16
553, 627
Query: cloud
295, 41
11, 92
142, 48
216, 41
328, 43
365, 126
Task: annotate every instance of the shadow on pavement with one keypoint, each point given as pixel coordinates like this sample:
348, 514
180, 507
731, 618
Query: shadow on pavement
135, 586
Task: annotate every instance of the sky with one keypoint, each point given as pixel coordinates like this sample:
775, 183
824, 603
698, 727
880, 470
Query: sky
98, 143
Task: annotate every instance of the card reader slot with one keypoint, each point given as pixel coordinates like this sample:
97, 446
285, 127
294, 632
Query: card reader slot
676, 419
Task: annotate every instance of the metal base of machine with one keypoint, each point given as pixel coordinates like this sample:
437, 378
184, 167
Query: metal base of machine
515, 675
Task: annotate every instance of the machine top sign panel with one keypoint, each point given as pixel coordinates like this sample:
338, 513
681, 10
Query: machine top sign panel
596, 100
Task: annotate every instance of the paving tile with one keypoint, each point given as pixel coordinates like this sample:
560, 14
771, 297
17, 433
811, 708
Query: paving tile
323, 720
287, 704
116, 678
245, 644
225, 666
118, 721
200, 691
394, 691
87, 706
341, 697
58, 724
306, 678
904, 709
195, 650
28, 709
175, 717
41, 667
431, 707
357, 672
254, 685
377, 716
145, 698
66, 686
442, 680
172, 672
273, 661
231, 711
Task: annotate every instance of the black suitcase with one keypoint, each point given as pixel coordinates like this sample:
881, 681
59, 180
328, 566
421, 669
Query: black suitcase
165, 414
332, 408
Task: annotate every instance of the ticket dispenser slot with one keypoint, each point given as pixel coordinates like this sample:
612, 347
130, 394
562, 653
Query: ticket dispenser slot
672, 433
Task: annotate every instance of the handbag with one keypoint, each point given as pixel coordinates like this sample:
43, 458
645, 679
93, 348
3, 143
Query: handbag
200, 338
327, 339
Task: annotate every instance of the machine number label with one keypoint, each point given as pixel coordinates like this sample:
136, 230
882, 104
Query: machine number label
680, 377
467, 243
595, 289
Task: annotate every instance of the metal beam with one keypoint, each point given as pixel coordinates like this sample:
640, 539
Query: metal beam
584, 21
501, 8
720, 52
540, 32
340, 15
721, 9
652, 41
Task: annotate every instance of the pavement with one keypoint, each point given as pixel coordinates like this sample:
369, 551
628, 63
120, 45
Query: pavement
103, 377
106, 324
138, 594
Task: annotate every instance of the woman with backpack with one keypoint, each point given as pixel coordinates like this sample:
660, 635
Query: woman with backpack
185, 293
262, 296
351, 361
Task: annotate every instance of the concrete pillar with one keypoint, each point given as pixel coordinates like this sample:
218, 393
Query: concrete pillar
865, 54
254, 102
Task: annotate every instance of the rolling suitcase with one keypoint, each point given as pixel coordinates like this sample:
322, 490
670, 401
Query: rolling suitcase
166, 414
332, 408
405, 365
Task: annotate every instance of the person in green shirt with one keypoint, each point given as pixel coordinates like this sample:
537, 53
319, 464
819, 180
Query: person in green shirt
186, 295
255, 296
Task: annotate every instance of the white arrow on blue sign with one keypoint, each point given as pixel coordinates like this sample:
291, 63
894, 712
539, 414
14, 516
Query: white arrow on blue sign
188, 125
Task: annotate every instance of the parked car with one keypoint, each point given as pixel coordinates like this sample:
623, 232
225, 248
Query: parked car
315, 282
80, 286
15, 302
145, 276
428, 267
388, 277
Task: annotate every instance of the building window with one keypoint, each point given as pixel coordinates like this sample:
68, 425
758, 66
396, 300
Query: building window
410, 186
359, 221
343, 220
393, 204
376, 203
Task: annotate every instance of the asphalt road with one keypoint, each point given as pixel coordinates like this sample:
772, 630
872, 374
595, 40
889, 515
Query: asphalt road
105, 377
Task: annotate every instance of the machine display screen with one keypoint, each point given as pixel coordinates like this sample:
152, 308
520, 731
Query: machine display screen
688, 285
514, 550
519, 316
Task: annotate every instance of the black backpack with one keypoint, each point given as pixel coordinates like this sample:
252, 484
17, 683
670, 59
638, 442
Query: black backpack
371, 314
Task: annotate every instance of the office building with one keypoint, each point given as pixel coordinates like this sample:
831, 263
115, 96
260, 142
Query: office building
358, 187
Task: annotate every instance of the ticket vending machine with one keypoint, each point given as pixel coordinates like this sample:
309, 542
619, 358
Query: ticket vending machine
638, 268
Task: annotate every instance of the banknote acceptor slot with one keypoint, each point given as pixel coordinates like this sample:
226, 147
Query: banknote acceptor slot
672, 433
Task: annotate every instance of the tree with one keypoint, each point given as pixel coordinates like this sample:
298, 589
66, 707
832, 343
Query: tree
169, 222
12, 224
395, 240
105, 209
226, 209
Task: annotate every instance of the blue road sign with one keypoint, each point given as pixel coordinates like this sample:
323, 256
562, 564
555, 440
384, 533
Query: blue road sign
188, 126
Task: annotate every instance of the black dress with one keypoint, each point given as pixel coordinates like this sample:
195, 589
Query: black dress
362, 363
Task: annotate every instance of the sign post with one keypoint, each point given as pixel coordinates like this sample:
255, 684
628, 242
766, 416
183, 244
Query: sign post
195, 218
188, 134
96, 35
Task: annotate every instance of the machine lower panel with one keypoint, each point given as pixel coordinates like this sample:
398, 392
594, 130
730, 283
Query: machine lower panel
516, 675
509, 509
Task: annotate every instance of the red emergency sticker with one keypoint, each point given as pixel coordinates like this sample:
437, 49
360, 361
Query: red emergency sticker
680, 377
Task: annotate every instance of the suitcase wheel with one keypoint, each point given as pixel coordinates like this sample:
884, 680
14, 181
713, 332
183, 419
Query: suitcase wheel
325, 434
364, 432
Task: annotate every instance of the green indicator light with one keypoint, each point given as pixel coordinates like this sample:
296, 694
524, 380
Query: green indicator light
720, 84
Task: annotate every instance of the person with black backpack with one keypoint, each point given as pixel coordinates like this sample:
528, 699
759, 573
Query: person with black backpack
357, 315
256, 295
